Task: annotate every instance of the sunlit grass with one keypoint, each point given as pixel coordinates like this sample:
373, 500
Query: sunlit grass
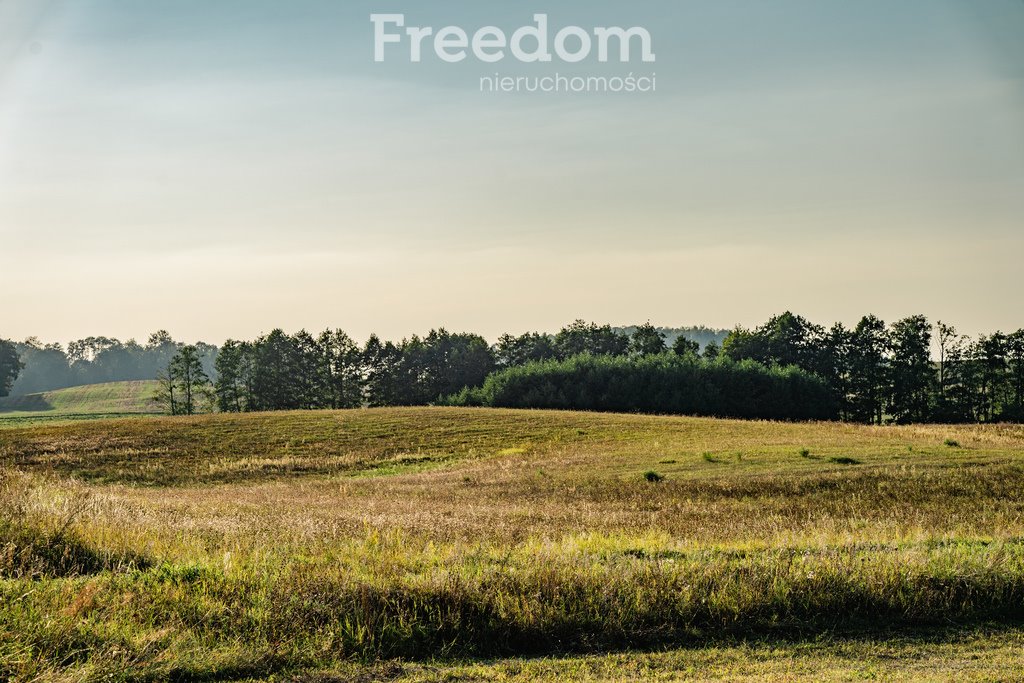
88, 402
242, 546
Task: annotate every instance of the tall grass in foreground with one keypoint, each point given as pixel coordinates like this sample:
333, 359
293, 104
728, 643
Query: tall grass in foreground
382, 598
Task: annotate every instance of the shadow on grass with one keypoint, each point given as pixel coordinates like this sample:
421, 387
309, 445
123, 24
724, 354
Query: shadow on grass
850, 644
32, 403
33, 553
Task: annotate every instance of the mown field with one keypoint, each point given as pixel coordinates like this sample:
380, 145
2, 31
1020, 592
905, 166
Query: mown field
112, 399
459, 544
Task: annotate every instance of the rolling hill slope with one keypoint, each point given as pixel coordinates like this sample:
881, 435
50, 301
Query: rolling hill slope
93, 400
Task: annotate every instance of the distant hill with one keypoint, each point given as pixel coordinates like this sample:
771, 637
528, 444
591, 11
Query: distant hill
91, 400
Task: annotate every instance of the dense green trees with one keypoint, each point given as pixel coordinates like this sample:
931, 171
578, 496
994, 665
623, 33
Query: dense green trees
866, 369
291, 372
911, 375
1015, 362
786, 339
339, 377
10, 366
383, 375
98, 359
46, 366
418, 371
873, 373
286, 372
688, 347
659, 383
647, 341
278, 365
909, 371
511, 351
234, 377
582, 337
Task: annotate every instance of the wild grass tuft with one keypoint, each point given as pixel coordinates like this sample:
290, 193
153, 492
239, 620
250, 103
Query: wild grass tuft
35, 546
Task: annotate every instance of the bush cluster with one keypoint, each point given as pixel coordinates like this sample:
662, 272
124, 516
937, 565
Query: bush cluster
663, 383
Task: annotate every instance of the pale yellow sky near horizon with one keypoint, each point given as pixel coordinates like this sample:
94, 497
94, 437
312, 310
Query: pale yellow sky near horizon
219, 171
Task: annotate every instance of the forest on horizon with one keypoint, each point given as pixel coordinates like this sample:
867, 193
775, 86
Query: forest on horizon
788, 368
93, 360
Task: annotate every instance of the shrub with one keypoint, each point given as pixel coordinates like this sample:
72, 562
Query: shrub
661, 384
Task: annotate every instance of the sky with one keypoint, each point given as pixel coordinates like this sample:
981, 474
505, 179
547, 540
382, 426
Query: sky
219, 169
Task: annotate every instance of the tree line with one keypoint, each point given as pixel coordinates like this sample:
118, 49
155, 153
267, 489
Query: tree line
10, 366
909, 371
33, 366
904, 372
302, 371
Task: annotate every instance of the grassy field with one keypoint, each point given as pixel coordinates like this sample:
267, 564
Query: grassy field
113, 399
458, 544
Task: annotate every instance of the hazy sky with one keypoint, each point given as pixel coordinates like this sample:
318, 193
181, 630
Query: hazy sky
220, 168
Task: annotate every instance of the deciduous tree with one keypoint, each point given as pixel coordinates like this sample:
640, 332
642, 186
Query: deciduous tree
10, 366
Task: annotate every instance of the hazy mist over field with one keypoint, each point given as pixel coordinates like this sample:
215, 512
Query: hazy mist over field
220, 169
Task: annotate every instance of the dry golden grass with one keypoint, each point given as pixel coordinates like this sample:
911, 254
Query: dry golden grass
423, 532
500, 476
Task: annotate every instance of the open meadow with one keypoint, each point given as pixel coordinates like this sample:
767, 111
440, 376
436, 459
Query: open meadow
472, 544
87, 402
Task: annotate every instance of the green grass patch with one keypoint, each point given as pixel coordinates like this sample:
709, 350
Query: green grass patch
94, 401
